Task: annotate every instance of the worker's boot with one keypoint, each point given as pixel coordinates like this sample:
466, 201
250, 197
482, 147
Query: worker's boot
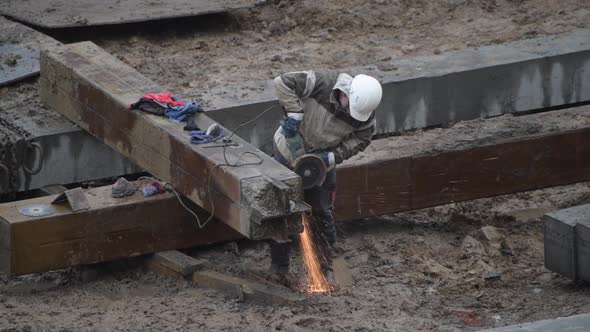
279, 265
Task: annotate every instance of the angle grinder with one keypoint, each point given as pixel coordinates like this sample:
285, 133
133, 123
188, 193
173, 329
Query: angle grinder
311, 169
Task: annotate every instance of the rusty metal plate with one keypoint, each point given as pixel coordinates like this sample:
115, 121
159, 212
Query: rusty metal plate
17, 62
75, 13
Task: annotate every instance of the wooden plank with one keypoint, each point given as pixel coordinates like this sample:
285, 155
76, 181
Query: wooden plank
176, 262
246, 290
441, 177
94, 89
111, 228
76, 13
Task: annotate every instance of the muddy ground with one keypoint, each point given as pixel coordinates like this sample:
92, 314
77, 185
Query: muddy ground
420, 270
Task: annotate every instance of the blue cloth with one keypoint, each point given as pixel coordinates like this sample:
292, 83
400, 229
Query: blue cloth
182, 113
290, 127
149, 190
201, 137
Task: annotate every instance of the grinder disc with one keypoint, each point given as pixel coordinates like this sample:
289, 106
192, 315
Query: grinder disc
311, 169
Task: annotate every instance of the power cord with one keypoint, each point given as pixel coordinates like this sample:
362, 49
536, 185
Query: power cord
226, 143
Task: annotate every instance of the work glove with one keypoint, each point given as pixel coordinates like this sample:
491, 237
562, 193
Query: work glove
290, 127
328, 159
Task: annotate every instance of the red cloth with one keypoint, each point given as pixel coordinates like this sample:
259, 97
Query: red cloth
164, 98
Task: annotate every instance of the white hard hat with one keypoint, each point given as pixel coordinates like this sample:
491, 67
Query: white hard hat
365, 96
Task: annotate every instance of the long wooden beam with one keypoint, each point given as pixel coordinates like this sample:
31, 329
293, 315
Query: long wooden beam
367, 189
93, 89
111, 228
132, 226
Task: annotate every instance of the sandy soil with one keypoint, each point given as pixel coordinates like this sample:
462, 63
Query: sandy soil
416, 271
420, 270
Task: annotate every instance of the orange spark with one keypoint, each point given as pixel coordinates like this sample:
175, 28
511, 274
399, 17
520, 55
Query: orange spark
317, 282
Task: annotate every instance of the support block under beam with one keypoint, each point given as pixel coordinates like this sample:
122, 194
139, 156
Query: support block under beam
567, 242
93, 89
112, 228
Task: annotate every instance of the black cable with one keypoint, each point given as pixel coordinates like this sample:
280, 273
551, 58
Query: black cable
226, 143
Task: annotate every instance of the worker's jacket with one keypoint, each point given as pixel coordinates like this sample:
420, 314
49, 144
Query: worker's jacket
325, 125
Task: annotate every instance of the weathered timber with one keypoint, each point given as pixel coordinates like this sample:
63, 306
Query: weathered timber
176, 262
93, 89
111, 228
440, 177
79, 13
246, 290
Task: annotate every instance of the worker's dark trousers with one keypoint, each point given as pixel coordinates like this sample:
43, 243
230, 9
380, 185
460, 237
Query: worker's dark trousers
322, 226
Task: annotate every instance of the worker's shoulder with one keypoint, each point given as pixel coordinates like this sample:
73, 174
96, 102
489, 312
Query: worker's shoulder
327, 74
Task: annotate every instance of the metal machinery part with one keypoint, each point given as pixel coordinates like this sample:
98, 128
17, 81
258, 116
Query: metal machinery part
11, 137
311, 169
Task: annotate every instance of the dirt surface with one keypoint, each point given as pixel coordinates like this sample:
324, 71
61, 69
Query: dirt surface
296, 35
416, 271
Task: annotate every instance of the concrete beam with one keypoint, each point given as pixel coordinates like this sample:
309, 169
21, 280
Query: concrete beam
111, 229
66, 157
83, 13
421, 92
93, 89
567, 242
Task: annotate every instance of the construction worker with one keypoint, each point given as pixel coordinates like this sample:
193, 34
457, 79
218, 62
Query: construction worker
330, 114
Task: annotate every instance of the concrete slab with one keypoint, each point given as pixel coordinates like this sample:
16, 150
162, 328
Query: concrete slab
567, 242
17, 63
583, 248
577, 323
19, 51
437, 90
559, 248
66, 13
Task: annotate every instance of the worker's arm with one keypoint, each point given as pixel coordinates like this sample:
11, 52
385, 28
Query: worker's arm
350, 146
292, 88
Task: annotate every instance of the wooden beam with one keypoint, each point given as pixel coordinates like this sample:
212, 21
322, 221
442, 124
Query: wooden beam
110, 229
93, 89
175, 262
440, 177
247, 290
